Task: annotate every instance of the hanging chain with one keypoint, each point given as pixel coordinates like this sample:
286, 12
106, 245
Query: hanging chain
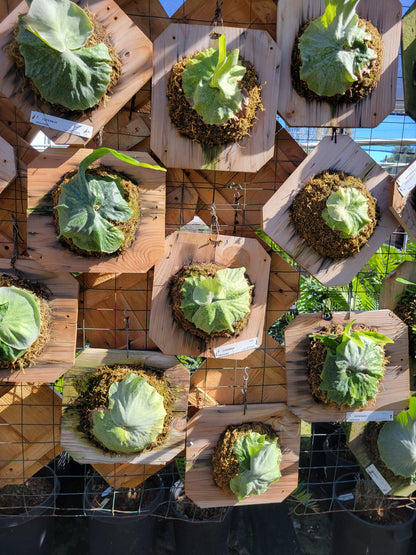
215, 224
237, 196
16, 237
218, 14
244, 389
127, 320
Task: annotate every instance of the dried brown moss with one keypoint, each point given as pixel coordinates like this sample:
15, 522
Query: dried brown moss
190, 124
93, 394
35, 350
224, 462
98, 35
131, 196
176, 296
306, 215
359, 89
316, 359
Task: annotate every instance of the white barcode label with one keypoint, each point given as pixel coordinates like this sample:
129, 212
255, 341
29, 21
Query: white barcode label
61, 124
378, 479
370, 416
407, 180
238, 347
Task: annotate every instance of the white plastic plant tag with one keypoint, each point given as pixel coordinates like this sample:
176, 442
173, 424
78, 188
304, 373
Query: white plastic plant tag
46, 120
407, 180
238, 347
370, 416
346, 497
378, 479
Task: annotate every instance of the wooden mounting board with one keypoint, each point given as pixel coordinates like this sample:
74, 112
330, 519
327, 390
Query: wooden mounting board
81, 449
203, 432
223, 381
59, 353
391, 289
148, 245
408, 60
357, 445
340, 155
30, 418
175, 151
402, 208
393, 392
374, 108
126, 475
183, 248
7, 164
132, 46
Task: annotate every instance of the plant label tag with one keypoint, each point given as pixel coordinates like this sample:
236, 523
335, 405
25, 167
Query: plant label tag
407, 180
238, 347
370, 416
346, 497
378, 479
61, 124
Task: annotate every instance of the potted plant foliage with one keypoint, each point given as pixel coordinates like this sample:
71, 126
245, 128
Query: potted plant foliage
100, 218
214, 98
129, 408
336, 57
353, 362
73, 63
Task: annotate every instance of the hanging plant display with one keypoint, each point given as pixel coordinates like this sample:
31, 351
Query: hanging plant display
210, 103
335, 214
211, 301
357, 361
124, 407
246, 459
209, 296
99, 218
336, 55
331, 217
77, 62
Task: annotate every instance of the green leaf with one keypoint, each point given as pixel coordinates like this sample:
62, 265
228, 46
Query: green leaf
211, 83
20, 322
259, 464
102, 151
51, 39
215, 304
333, 49
60, 24
134, 418
397, 447
346, 211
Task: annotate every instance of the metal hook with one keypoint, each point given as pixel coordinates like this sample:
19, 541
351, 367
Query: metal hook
244, 390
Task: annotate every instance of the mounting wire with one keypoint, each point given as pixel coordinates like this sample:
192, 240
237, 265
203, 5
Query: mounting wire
244, 389
218, 14
127, 319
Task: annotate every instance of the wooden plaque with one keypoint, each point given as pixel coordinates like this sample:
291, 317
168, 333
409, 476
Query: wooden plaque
7, 164
175, 151
183, 248
148, 245
82, 450
401, 206
369, 112
340, 155
126, 475
394, 388
203, 432
132, 46
59, 353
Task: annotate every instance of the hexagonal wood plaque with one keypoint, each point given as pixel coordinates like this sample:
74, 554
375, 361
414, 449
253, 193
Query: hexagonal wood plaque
183, 248
176, 151
132, 46
369, 112
59, 353
205, 429
7, 164
393, 389
148, 245
401, 203
340, 155
77, 444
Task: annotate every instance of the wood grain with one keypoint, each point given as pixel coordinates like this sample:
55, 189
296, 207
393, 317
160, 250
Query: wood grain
148, 245
132, 46
126, 475
394, 388
82, 450
203, 432
340, 155
183, 248
402, 209
59, 353
374, 108
30, 418
7, 164
176, 151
